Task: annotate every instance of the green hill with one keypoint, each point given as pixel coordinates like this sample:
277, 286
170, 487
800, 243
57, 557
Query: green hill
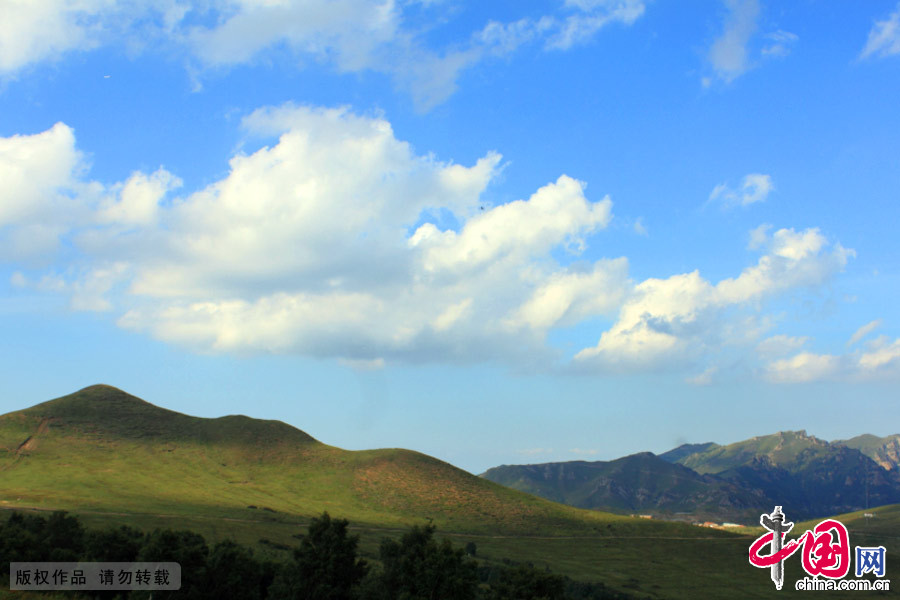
103, 449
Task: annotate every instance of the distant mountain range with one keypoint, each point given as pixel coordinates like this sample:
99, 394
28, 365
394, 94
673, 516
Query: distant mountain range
808, 476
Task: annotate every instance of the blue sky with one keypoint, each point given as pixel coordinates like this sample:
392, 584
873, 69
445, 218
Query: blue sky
499, 232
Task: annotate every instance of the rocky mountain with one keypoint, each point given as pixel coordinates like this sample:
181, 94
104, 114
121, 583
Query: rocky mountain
733, 482
634, 484
885, 451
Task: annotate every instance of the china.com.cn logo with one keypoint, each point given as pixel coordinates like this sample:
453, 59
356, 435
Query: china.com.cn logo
825, 553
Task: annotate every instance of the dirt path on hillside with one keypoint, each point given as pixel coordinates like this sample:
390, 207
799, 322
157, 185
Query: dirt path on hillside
30, 442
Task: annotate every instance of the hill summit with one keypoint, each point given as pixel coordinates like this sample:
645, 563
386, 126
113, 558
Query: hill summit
110, 413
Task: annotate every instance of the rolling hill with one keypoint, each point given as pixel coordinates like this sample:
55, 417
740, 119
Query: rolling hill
103, 449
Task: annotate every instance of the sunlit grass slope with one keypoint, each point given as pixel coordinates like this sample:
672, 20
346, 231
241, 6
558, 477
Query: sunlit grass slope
102, 449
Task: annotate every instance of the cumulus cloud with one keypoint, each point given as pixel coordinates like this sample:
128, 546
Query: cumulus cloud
684, 317
330, 242
137, 201
41, 175
884, 37
326, 243
879, 360
755, 187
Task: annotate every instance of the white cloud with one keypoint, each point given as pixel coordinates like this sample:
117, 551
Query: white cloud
780, 43
36, 31
639, 227
884, 37
33, 32
879, 360
803, 368
864, 331
36, 170
779, 345
350, 36
728, 54
569, 297
556, 214
40, 175
590, 17
759, 237
683, 318
358, 35
327, 243
755, 187
324, 244
734, 52
881, 355
138, 199
350, 30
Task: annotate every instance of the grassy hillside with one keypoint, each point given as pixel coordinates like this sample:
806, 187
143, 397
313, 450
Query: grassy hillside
102, 449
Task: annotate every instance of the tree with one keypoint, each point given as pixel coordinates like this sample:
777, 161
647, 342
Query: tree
524, 582
188, 549
324, 567
418, 568
113, 544
233, 572
22, 539
64, 537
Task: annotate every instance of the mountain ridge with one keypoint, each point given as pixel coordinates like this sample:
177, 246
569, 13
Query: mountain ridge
813, 476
